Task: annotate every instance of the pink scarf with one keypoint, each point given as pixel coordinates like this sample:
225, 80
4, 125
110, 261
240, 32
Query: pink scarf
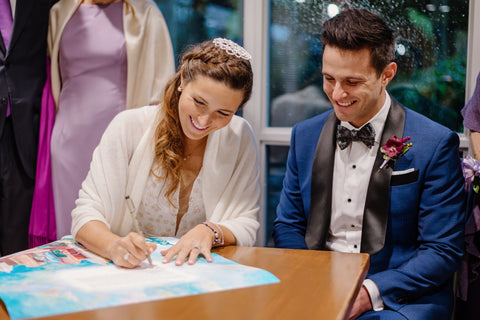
42, 218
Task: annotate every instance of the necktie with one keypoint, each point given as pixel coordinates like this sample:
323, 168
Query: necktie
345, 136
6, 21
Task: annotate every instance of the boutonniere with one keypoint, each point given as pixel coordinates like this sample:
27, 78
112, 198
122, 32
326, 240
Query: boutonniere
393, 149
471, 173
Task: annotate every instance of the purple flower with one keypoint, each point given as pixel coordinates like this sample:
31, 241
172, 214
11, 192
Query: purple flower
393, 149
471, 172
394, 146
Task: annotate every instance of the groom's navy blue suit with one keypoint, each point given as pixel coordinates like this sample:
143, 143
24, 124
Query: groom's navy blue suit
413, 220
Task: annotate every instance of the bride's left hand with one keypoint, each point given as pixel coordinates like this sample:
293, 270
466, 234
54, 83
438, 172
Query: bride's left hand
197, 241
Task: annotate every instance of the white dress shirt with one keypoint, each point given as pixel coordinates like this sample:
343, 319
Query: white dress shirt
351, 175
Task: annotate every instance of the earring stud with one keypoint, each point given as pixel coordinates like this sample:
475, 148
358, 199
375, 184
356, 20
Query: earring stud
179, 89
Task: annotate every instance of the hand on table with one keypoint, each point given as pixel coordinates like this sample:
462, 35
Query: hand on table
130, 251
196, 241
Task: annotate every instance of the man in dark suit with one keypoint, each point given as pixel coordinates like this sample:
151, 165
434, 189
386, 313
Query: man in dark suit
22, 77
338, 194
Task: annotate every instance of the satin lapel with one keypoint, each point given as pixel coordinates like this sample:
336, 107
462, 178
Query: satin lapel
22, 12
321, 189
377, 204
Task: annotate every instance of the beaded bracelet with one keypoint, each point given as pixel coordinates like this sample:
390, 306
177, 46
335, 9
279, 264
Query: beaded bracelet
217, 240
222, 241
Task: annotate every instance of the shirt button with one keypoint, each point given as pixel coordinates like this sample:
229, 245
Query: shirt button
354, 166
353, 226
355, 246
349, 200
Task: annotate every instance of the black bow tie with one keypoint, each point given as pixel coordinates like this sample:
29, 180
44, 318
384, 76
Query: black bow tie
345, 136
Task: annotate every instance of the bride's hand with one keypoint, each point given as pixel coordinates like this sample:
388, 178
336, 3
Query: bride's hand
130, 251
197, 241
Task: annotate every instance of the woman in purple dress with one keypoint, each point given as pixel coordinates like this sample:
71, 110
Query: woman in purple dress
468, 286
106, 56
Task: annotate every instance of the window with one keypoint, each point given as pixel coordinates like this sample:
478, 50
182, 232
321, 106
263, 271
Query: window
431, 56
194, 21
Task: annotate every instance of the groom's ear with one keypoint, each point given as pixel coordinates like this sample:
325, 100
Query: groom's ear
388, 73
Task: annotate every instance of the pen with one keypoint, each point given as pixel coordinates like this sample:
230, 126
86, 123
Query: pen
131, 208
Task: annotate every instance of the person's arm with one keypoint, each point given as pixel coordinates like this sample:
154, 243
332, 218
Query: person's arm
475, 144
97, 219
101, 201
128, 251
440, 228
290, 225
232, 197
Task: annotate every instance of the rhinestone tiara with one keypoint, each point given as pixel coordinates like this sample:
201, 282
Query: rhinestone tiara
232, 48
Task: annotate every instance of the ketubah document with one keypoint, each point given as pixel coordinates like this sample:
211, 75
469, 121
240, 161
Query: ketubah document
63, 277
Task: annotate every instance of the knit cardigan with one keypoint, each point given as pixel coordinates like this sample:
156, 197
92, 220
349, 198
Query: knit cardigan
150, 61
124, 158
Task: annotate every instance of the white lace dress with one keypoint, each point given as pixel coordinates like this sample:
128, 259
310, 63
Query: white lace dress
157, 218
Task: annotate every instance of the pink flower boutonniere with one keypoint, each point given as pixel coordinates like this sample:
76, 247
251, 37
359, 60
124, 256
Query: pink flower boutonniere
471, 173
393, 149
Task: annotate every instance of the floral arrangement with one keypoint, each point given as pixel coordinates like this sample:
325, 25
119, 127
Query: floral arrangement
393, 149
471, 173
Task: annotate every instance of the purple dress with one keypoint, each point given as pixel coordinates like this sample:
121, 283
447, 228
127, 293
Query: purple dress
468, 280
471, 111
93, 68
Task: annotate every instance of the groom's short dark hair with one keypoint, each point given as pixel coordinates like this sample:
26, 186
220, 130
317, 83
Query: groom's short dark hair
356, 29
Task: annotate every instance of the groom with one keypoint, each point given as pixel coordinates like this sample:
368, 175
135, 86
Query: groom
341, 194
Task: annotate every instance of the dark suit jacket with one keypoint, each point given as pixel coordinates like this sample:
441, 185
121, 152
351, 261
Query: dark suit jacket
413, 223
22, 76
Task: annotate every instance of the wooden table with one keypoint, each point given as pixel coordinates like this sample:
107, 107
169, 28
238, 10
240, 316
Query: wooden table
313, 285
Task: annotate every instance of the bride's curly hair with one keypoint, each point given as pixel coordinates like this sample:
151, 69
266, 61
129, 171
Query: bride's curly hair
202, 60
